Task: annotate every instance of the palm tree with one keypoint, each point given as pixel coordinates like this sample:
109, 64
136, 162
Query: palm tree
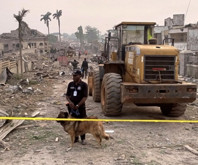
19, 18
46, 19
80, 36
57, 16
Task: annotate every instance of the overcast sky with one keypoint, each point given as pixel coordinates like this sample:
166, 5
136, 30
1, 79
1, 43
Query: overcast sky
102, 14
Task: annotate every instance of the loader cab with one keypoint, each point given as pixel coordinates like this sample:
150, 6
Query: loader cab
127, 33
133, 33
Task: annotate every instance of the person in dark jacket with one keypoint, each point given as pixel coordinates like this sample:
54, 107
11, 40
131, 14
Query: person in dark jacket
75, 64
84, 68
76, 95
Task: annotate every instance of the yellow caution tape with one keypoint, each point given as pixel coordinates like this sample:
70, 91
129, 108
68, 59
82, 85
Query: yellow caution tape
105, 120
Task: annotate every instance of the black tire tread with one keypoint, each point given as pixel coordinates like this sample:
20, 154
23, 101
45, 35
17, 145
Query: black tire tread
174, 110
97, 86
111, 83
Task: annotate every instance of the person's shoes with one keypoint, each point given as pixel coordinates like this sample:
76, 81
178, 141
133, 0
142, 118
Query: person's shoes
76, 140
83, 142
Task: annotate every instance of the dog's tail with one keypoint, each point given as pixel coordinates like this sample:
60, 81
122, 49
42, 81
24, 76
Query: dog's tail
107, 136
104, 134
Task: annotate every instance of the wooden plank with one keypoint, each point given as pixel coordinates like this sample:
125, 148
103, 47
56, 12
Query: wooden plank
7, 128
12, 64
5, 64
5, 145
191, 149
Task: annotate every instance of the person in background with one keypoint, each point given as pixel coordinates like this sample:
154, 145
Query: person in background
84, 68
75, 64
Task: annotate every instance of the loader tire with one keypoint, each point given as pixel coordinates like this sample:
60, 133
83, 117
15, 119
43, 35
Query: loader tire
173, 110
111, 94
96, 86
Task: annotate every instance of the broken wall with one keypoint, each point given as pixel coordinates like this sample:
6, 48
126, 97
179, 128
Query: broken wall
188, 64
168, 22
178, 20
193, 39
15, 66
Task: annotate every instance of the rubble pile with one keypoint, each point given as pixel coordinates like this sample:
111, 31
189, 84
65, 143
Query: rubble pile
20, 94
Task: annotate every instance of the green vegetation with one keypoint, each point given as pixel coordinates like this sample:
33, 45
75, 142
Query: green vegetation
80, 35
52, 39
92, 34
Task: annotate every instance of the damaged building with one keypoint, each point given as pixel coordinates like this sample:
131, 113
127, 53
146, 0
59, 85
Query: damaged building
33, 40
185, 40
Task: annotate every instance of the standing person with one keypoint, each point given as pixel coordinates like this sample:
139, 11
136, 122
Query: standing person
75, 64
84, 68
76, 95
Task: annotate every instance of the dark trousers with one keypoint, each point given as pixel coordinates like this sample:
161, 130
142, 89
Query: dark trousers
82, 114
84, 73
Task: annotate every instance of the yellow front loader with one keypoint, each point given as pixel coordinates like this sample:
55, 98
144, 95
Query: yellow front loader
139, 71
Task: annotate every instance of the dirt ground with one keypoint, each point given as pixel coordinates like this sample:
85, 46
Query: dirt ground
45, 142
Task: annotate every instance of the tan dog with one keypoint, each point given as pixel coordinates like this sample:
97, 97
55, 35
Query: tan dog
77, 128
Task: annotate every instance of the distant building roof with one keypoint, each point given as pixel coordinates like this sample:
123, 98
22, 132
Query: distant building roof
135, 23
27, 33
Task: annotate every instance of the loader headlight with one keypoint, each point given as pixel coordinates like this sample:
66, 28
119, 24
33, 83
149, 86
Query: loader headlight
137, 51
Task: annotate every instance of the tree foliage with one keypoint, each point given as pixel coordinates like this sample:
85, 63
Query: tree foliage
46, 18
70, 37
19, 18
20, 15
57, 15
92, 34
79, 34
52, 39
